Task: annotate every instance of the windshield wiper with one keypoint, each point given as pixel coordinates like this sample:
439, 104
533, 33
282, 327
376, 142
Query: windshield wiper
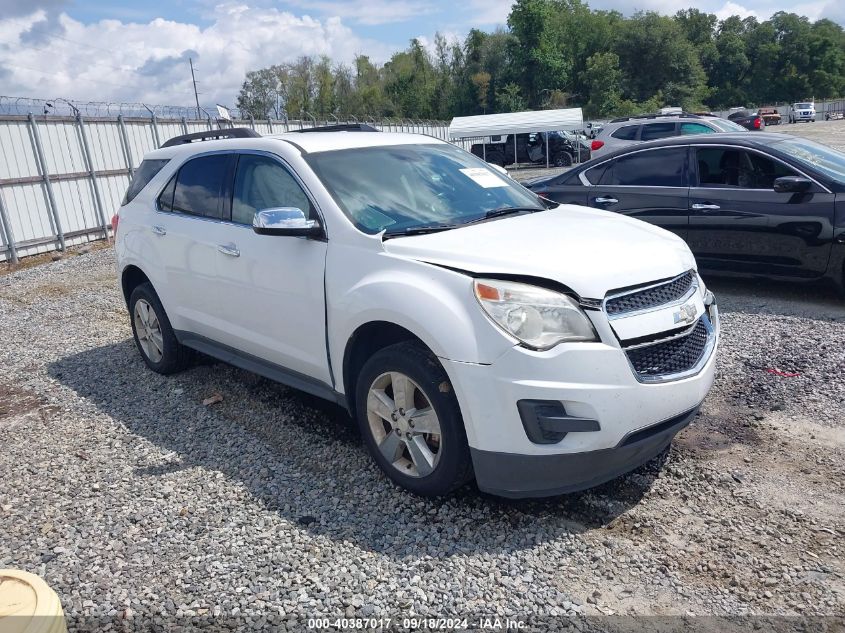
502, 211
419, 230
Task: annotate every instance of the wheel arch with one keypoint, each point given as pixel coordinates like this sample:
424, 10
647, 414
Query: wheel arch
365, 341
132, 277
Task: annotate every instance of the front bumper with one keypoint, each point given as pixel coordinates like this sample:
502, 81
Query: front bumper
592, 381
517, 476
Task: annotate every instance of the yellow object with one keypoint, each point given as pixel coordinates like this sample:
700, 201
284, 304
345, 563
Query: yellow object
28, 605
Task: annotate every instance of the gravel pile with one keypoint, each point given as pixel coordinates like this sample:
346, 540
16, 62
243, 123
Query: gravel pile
135, 501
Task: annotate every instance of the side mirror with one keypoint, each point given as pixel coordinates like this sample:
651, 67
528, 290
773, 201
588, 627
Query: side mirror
792, 184
285, 221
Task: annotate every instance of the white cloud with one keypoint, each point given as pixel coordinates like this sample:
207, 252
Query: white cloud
731, 8
485, 13
111, 60
369, 12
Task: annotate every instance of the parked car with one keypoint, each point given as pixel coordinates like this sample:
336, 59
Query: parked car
468, 325
748, 119
771, 116
802, 111
530, 148
766, 205
626, 131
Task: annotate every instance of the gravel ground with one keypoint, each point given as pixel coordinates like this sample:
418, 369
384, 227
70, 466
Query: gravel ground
133, 499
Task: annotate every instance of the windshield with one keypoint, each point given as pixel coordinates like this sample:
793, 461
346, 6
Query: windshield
723, 125
801, 106
820, 157
403, 187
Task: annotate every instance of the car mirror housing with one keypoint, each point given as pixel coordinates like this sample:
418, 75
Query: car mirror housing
792, 184
289, 221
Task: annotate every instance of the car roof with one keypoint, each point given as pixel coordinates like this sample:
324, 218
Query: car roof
744, 139
312, 142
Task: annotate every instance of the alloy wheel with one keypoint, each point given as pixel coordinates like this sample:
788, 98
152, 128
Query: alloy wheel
148, 330
404, 424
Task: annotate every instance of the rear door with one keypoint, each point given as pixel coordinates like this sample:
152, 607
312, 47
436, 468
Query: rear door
650, 185
188, 228
739, 223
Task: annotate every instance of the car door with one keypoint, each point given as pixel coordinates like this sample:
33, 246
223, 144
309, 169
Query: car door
568, 188
270, 287
739, 223
188, 228
649, 185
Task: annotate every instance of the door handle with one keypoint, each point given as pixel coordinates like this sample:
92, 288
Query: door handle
705, 207
159, 230
605, 200
229, 249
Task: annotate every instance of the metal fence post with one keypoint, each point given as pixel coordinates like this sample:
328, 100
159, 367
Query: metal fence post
51, 200
154, 125
7, 233
127, 150
270, 124
89, 161
184, 125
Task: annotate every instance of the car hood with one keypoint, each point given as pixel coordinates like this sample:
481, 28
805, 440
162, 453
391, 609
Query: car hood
587, 250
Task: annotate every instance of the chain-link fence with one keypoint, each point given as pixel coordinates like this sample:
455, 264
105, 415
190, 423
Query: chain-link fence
64, 165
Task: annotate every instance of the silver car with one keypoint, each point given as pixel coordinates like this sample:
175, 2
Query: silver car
625, 131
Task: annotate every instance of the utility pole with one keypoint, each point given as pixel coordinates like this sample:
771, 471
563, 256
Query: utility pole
196, 94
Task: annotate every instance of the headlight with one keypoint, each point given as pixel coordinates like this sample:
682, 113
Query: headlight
539, 318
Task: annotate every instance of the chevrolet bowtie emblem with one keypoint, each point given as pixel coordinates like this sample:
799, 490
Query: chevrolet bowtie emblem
686, 314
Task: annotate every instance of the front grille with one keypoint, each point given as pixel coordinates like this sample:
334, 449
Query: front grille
651, 297
673, 356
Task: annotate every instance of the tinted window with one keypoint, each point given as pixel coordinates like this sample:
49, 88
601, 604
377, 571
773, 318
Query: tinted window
733, 167
655, 168
653, 131
627, 133
262, 183
199, 184
146, 171
816, 156
694, 128
594, 175
165, 198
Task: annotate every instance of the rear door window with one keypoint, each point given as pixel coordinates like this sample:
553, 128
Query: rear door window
146, 171
695, 128
652, 131
722, 167
199, 186
627, 133
651, 168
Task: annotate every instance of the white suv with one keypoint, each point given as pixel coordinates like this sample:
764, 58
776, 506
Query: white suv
804, 111
471, 327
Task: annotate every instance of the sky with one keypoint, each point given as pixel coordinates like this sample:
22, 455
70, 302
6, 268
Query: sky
90, 50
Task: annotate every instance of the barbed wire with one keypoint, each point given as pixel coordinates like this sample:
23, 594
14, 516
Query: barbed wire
61, 106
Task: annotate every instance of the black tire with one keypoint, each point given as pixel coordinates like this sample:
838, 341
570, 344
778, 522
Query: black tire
175, 356
454, 466
563, 160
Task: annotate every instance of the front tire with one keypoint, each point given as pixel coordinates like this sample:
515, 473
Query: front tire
411, 421
154, 336
563, 160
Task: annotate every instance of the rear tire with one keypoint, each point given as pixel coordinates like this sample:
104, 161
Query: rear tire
154, 336
563, 160
411, 421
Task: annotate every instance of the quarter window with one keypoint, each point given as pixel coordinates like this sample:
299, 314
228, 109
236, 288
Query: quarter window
262, 183
627, 133
199, 185
651, 168
654, 131
146, 171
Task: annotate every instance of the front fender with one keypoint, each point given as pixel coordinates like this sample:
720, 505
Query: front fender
435, 304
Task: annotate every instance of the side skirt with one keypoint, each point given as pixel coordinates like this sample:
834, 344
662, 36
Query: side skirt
260, 366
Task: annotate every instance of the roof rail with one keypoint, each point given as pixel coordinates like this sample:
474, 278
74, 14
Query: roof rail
212, 135
656, 116
342, 127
